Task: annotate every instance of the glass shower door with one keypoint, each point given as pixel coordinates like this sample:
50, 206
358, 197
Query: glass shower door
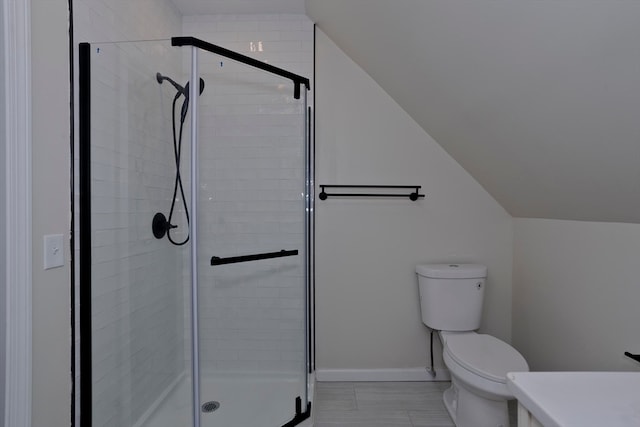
133, 345
251, 245
194, 237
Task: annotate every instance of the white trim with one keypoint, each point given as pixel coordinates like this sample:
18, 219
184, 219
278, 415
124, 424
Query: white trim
17, 63
406, 374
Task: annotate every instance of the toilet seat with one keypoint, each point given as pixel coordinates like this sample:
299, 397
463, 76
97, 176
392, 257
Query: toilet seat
485, 356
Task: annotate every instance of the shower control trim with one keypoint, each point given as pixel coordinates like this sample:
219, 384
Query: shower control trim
254, 257
160, 225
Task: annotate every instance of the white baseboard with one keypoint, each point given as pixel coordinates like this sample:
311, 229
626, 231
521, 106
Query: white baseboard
402, 374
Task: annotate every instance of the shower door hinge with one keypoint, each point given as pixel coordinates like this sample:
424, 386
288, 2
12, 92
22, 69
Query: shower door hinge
300, 416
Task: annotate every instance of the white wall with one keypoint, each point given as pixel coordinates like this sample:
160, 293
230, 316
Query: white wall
576, 294
117, 20
50, 164
366, 290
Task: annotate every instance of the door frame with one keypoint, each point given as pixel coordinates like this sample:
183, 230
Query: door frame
18, 279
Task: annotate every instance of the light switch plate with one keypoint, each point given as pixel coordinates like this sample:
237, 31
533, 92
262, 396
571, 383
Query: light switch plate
53, 251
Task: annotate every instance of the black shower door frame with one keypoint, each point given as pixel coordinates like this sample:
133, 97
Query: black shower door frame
303, 412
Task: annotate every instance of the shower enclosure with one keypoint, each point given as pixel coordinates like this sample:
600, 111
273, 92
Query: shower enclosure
195, 238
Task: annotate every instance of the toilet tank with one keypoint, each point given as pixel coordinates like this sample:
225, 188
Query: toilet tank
451, 295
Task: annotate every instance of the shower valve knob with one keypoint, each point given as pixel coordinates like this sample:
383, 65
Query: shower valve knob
160, 225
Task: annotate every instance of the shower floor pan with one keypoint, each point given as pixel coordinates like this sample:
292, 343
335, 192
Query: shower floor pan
244, 402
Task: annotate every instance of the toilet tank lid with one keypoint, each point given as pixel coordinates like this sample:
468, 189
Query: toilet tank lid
452, 271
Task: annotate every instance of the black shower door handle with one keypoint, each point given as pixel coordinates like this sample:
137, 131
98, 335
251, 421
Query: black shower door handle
635, 357
254, 257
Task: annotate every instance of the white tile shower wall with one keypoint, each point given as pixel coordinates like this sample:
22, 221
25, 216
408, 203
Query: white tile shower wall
252, 178
137, 289
119, 20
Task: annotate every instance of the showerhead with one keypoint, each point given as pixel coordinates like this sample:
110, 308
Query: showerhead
182, 90
160, 78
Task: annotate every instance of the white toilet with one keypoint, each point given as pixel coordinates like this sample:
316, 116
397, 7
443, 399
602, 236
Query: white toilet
451, 298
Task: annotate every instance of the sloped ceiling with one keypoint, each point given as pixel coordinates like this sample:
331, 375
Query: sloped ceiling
538, 100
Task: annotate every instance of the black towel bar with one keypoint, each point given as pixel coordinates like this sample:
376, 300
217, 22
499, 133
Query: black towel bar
412, 196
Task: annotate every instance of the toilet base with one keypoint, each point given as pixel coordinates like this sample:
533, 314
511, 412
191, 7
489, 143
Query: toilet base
468, 409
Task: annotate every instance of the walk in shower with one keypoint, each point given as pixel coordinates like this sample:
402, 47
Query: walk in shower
195, 238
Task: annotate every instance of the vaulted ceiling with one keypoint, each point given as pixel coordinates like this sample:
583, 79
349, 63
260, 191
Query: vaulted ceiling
538, 100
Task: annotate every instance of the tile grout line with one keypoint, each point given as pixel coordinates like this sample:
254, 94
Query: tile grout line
355, 397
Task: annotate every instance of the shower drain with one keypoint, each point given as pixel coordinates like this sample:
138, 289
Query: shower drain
210, 406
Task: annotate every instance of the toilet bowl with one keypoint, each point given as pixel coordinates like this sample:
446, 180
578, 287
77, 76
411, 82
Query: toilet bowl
478, 365
451, 297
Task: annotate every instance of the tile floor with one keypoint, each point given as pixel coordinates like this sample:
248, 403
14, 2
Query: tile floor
388, 404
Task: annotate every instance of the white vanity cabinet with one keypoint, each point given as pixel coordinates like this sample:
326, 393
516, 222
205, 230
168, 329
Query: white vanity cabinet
576, 399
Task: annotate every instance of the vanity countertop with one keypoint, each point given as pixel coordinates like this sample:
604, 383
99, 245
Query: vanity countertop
579, 399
